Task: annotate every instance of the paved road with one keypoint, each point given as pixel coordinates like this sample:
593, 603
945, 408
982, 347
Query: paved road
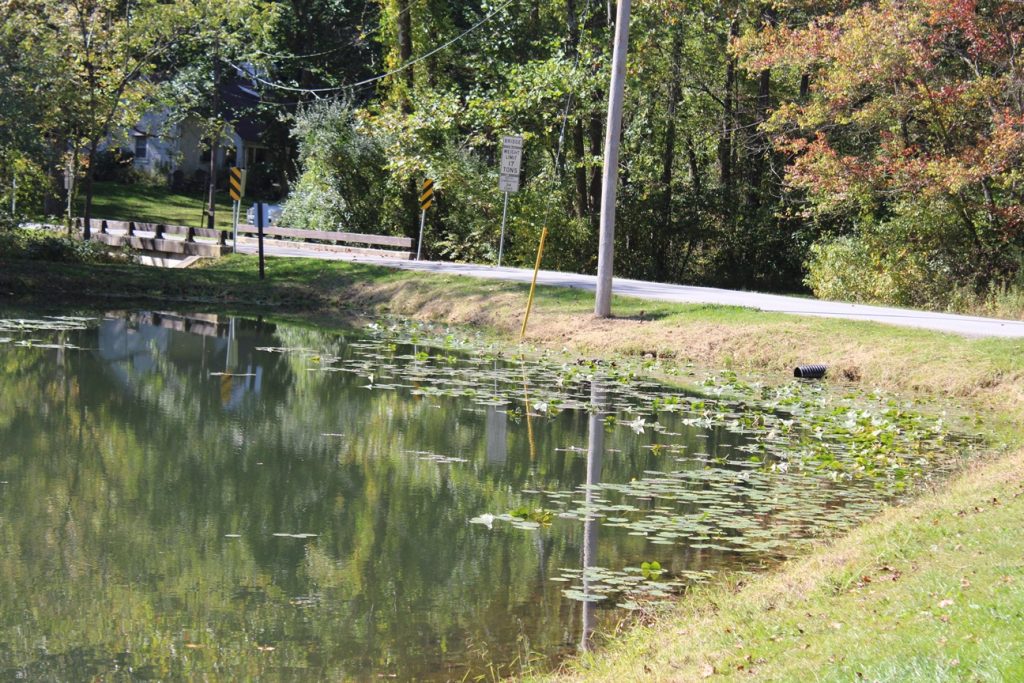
969, 326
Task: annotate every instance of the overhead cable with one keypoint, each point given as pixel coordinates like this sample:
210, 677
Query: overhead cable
374, 79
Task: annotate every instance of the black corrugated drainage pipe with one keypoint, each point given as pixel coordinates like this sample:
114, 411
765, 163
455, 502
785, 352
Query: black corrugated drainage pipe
810, 371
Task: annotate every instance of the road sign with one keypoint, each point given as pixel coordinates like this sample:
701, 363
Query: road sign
237, 183
511, 156
427, 194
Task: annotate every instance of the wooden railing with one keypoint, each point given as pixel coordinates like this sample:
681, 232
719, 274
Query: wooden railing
159, 230
387, 246
159, 238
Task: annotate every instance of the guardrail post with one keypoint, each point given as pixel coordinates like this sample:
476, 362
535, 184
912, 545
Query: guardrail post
190, 235
158, 231
131, 228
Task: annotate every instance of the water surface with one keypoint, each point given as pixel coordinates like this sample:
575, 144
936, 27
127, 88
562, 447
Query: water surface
192, 495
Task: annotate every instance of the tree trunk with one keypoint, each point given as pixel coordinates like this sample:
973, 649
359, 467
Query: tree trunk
760, 147
659, 247
596, 149
691, 157
725, 140
211, 207
405, 50
87, 214
578, 149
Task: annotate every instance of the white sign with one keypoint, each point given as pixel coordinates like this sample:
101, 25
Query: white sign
511, 156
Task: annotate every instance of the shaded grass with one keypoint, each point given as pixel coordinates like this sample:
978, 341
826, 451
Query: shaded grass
931, 591
156, 205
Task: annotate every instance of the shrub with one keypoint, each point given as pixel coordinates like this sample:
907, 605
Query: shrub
114, 164
917, 257
42, 245
342, 180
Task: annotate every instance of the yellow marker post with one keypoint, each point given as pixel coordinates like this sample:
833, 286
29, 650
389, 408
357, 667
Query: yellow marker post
426, 201
533, 285
236, 188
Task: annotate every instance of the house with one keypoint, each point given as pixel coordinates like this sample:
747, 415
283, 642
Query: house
177, 150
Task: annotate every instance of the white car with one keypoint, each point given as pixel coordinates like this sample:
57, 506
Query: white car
271, 212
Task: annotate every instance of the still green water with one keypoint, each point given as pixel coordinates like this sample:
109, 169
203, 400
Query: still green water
200, 496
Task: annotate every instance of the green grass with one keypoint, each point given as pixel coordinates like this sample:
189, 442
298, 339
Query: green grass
156, 205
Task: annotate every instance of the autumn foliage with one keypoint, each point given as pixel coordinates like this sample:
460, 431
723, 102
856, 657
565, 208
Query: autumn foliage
906, 147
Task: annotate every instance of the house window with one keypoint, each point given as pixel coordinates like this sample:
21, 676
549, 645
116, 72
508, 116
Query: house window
255, 155
140, 146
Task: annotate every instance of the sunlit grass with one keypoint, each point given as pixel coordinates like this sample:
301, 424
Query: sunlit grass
155, 205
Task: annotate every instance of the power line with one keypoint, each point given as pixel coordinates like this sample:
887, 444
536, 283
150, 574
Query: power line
363, 35
374, 79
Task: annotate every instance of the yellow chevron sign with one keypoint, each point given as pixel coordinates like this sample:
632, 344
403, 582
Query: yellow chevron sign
237, 183
427, 194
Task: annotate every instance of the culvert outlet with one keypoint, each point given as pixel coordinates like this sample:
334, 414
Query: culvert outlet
810, 371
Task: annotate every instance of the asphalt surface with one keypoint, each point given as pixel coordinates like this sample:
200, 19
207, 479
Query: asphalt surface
969, 326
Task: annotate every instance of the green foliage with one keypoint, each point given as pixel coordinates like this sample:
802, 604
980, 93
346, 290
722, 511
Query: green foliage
40, 245
915, 258
651, 570
910, 136
342, 180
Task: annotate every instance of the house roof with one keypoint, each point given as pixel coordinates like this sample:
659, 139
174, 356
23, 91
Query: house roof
239, 102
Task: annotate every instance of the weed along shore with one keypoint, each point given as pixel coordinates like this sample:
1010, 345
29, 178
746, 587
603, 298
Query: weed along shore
894, 487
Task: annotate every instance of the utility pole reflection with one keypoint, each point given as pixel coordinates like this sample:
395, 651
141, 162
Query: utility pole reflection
595, 454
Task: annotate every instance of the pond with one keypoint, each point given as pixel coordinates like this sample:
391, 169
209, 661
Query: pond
190, 495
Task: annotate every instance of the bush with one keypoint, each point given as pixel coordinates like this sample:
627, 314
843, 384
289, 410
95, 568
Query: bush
342, 179
918, 257
115, 165
41, 245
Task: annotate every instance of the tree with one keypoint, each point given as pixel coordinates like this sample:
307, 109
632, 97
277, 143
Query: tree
910, 141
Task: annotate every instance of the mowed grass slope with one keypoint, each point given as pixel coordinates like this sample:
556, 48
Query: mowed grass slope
155, 205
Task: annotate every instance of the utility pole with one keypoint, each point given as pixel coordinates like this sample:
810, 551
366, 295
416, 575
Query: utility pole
613, 131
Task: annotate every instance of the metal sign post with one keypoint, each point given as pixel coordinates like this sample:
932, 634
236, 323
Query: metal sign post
69, 187
426, 200
14, 194
259, 229
236, 187
508, 178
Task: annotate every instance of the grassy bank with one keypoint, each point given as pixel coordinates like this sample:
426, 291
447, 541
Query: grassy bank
155, 205
929, 591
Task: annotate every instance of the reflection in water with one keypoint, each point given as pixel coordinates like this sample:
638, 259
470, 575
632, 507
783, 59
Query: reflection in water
182, 496
219, 500
595, 453
497, 430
